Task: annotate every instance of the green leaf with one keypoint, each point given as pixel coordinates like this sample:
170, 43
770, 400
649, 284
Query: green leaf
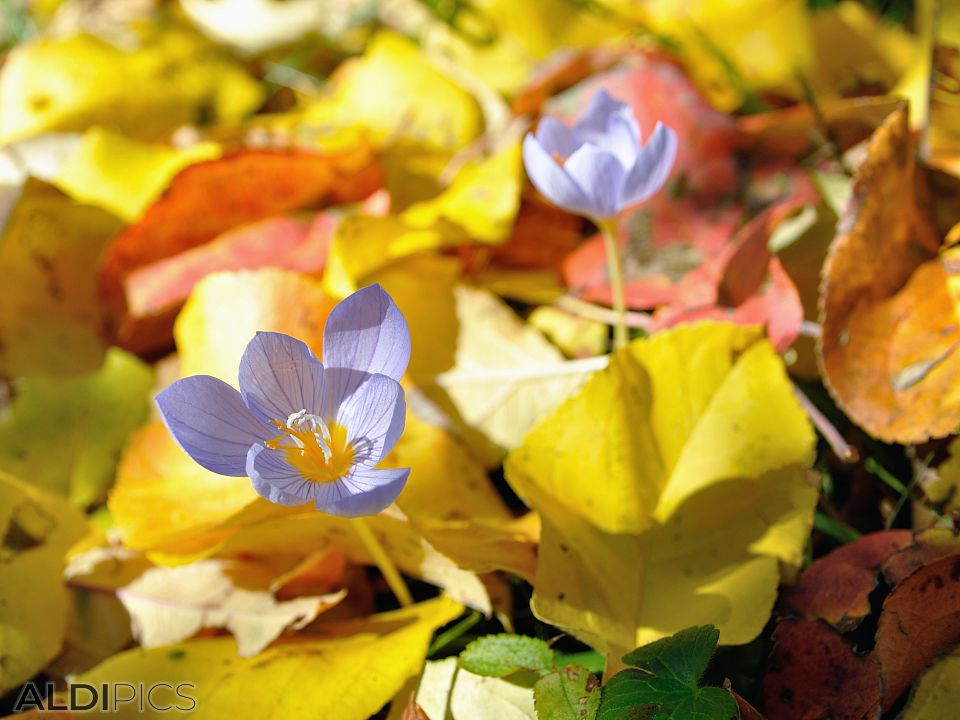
571, 693
64, 434
668, 679
501, 655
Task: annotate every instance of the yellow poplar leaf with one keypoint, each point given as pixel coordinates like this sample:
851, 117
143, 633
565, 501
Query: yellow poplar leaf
184, 499
49, 253
855, 47
938, 692
482, 200
88, 417
225, 310
412, 99
578, 337
37, 529
74, 82
122, 175
349, 675
362, 244
168, 605
765, 42
700, 452
506, 376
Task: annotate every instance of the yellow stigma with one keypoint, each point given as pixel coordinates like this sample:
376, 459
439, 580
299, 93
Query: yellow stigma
320, 452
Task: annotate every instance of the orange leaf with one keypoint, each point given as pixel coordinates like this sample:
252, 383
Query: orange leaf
889, 321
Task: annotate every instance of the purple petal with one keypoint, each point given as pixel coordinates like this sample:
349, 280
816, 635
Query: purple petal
275, 479
366, 331
374, 417
600, 173
279, 375
593, 121
364, 491
551, 180
208, 419
653, 165
557, 138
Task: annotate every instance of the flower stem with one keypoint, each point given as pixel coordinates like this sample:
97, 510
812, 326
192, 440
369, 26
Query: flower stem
620, 337
390, 573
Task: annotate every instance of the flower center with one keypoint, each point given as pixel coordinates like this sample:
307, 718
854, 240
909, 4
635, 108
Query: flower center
320, 452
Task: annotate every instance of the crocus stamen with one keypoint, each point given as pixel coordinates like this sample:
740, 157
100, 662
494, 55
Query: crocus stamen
320, 452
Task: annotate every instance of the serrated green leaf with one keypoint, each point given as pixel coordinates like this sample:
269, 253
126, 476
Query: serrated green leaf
571, 693
501, 655
666, 685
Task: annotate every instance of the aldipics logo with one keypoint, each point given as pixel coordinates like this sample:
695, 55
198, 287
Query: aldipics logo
108, 697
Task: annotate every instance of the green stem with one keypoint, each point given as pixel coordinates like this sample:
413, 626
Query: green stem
620, 337
390, 573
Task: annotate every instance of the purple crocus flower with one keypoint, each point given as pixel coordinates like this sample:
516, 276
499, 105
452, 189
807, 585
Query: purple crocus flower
301, 430
598, 167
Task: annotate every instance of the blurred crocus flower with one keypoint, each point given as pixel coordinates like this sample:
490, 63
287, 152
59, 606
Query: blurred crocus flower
598, 167
301, 430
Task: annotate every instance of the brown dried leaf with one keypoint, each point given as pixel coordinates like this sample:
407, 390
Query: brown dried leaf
889, 322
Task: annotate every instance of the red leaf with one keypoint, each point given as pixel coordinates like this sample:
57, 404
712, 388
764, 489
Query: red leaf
815, 674
837, 586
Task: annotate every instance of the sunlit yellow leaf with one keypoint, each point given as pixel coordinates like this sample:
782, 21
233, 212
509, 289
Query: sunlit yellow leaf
349, 674
123, 175
225, 310
37, 529
507, 376
48, 259
79, 81
482, 201
412, 99
695, 452
64, 434
764, 43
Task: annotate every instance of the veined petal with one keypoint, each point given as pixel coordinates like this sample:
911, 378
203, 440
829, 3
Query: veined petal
279, 375
209, 420
275, 479
374, 417
367, 332
653, 165
557, 138
553, 181
600, 173
364, 491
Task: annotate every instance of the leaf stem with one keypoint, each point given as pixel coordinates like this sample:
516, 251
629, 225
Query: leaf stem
615, 270
390, 573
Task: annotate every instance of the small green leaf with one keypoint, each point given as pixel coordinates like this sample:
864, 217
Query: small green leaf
501, 655
668, 679
571, 693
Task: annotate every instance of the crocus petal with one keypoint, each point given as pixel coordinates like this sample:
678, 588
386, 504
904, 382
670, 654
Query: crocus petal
366, 331
208, 419
279, 375
551, 180
364, 491
601, 172
592, 122
374, 416
653, 165
557, 138
275, 479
